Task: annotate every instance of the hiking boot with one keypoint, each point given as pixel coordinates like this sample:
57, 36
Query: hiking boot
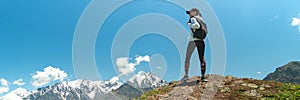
203, 79
185, 77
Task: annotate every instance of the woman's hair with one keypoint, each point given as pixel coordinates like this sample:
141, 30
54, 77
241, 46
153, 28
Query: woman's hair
196, 10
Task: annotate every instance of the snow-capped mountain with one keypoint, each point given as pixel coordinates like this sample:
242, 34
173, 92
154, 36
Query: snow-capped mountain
75, 90
146, 80
138, 84
91, 90
17, 94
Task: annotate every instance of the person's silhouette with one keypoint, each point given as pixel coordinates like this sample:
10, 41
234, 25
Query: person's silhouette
197, 39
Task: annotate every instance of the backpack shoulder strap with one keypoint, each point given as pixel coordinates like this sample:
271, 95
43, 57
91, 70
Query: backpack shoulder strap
202, 25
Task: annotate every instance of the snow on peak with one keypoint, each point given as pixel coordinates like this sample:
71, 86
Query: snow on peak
103, 86
81, 87
146, 80
17, 94
114, 79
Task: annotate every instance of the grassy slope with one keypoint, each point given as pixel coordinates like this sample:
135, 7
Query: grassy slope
240, 88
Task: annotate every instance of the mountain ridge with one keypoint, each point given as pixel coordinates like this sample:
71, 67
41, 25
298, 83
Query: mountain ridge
288, 73
281, 84
16, 94
82, 89
77, 89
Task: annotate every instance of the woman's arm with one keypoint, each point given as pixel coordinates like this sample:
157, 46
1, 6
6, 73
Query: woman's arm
194, 24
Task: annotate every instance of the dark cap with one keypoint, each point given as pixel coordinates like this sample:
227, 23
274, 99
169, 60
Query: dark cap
193, 9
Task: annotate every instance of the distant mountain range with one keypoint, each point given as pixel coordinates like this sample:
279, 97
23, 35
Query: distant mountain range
91, 90
289, 73
142, 82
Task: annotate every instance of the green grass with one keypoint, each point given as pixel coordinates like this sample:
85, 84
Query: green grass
288, 92
284, 92
162, 90
276, 91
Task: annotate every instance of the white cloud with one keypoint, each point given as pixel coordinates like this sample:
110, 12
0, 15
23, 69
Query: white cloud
139, 59
3, 82
296, 22
258, 72
3, 86
125, 67
49, 74
19, 82
158, 67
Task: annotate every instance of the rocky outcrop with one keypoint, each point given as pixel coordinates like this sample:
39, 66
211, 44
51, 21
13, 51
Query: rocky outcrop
289, 73
224, 88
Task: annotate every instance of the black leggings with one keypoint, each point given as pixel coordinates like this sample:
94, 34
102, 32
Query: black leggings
190, 49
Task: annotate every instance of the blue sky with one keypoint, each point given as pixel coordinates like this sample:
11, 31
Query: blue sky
37, 34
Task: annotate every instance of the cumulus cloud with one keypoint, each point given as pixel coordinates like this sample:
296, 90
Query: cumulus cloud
48, 75
125, 67
3, 86
139, 59
19, 82
296, 22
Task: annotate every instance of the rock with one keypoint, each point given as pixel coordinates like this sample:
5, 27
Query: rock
178, 93
289, 73
191, 98
226, 89
233, 85
230, 88
250, 85
266, 85
244, 84
261, 88
228, 78
253, 93
238, 82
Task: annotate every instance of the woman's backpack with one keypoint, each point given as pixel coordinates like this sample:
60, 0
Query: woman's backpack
202, 31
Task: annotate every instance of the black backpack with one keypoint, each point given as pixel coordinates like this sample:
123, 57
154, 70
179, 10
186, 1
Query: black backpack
202, 31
